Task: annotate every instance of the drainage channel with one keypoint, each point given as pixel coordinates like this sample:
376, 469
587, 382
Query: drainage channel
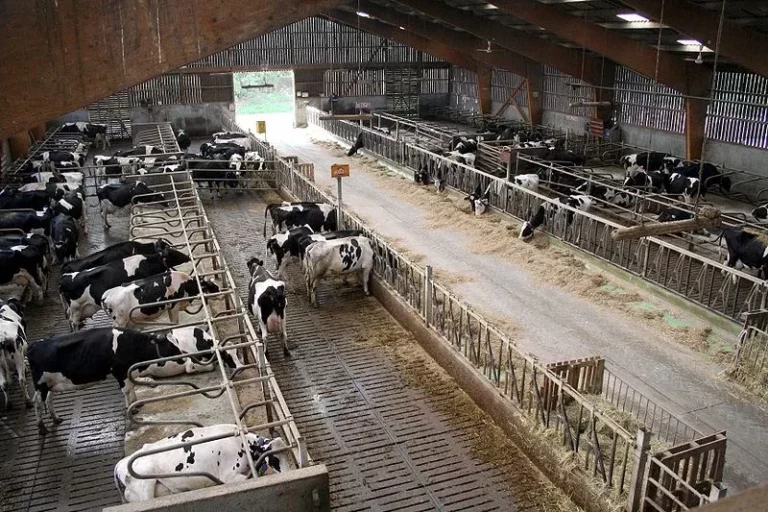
386, 444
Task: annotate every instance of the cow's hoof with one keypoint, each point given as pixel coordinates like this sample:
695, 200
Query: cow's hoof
57, 420
42, 429
28, 405
286, 352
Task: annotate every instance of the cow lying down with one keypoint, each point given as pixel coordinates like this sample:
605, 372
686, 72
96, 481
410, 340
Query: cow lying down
224, 458
81, 359
115, 252
137, 301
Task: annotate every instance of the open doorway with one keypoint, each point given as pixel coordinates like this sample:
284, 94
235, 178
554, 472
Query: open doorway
265, 96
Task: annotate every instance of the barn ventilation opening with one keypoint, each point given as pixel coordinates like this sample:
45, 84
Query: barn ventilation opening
265, 96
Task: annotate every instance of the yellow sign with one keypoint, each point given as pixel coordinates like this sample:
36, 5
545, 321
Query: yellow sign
340, 171
261, 127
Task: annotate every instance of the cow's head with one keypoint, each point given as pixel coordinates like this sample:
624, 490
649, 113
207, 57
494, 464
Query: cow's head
16, 305
141, 193
275, 249
276, 458
254, 264
235, 162
173, 258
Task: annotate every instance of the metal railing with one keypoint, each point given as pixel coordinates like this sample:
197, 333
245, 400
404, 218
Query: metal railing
721, 289
181, 219
750, 360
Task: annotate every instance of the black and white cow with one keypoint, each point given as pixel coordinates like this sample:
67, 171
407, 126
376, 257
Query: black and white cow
318, 216
114, 196
12, 198
548, 210
183, 140
74, 179
342, 256
56, 157
674, 214
650, 162
64, 235
39, 242
679, 185
215, 174
28, 222
13, 345
651, 181
357, 146
478, 200
608, 194
81, 292
189, 340
746, 249
710, 175
223, 458
73, 205
267, 302
761, 213
21, 268
527, 181
114, 253
565, 155
90, 130
141, 150
292, 244
254, 161
78, 360
119, 302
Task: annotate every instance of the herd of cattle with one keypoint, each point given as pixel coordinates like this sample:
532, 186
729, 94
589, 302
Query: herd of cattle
134, 283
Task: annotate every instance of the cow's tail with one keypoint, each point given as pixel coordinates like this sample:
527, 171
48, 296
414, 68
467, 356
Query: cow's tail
266, 211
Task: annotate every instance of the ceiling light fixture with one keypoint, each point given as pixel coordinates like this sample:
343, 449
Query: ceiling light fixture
689, 42
632, 17
401, 28
490, 7
363, 14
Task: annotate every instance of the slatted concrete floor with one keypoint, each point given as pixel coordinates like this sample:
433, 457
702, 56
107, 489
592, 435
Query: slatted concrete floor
386, 444
71, 468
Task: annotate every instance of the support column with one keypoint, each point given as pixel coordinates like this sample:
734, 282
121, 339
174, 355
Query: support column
534, 90
695, 121
484, 97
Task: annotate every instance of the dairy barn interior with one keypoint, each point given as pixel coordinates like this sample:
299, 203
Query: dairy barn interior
355, 255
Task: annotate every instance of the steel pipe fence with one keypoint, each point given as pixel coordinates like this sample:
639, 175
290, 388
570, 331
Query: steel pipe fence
181, 216
54, 140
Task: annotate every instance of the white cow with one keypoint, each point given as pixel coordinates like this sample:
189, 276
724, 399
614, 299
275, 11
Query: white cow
343, 256
225, 459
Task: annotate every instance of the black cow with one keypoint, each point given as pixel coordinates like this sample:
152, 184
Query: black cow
64, 235
114, 196
183, 140
318, 216
747, 249
114, 253
57, 157
12, 198
39, 242
565, 155
674, 214
21, 267
141, 150
357, 146
710, 176
39, 222
81, 359
215, 174
266, 301
81, 292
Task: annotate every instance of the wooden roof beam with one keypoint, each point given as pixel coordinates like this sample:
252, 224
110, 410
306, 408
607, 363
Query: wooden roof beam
466, 43
564, 59
681, 75
739, 43
59, 56
405, 37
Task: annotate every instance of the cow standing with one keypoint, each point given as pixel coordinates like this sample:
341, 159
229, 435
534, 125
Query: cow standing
64, 236
318, 216
114, 196
13, 345
79, 360
223, 458
267, 302
342, 256
746, 249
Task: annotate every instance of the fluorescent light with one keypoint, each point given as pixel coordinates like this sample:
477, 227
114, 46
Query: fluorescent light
490, 6
401, 28
632, 17
363, 14
689, 42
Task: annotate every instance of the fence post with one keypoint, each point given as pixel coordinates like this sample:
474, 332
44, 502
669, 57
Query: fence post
635, 497
428, 293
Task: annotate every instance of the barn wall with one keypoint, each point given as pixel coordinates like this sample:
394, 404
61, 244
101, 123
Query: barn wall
564, 121
80, 115
196, 120
737, 157
510, 112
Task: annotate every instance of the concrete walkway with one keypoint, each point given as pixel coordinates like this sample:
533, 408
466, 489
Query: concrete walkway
554, 324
